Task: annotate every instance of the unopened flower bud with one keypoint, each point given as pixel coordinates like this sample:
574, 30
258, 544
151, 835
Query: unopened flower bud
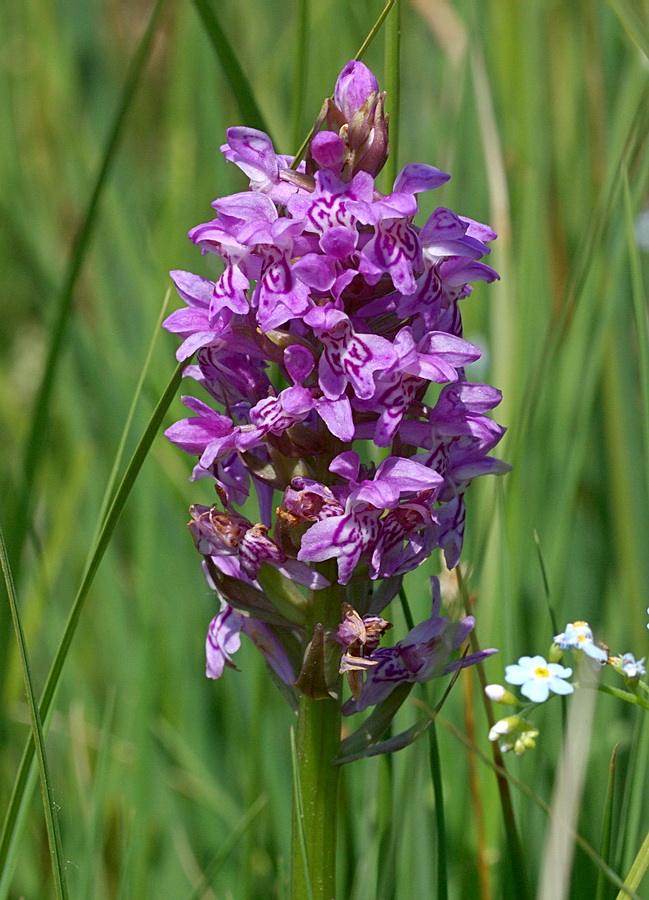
498, 694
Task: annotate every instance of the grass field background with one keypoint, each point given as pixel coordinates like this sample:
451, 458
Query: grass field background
168, 785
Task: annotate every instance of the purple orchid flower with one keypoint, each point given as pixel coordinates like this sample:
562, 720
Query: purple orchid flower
224, 639
422, 655
355, 532
228, 533
331, 285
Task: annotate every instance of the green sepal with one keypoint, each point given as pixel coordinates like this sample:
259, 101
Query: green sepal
374, 727
312, 681
398, 742
248, 598
285, 596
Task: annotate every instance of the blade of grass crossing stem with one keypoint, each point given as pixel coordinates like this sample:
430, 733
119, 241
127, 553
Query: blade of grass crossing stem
49, 806
639, 306
19, 794
58, 329
299, 818
637, 870
374, 30
237, 79
605, 844
112, 479
358, 55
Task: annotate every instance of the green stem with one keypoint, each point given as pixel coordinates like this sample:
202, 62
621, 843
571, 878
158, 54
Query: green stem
315, 802
318, 736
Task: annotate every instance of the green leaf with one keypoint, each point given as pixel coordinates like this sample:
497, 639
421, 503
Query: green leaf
19, 795
49, 806
633, 22
237, 79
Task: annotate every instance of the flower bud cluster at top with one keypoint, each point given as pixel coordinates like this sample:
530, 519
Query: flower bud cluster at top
332, 284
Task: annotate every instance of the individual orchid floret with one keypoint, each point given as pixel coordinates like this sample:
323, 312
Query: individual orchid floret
223, 640
424, 653
578, 636
227, 533
253, 152
356, 531
357, 114
514, 733
537, 678
499, 694
359, 638
348, 357
201, 323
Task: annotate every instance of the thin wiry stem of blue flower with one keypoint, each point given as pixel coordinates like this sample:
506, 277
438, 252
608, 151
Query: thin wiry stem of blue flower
553, 617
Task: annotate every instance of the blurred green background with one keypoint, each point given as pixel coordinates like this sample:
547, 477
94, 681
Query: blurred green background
539, 110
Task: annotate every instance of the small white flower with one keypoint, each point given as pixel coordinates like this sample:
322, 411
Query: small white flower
631, 667
578, 636
538, 677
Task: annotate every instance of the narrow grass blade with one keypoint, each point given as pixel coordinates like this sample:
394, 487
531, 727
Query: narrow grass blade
635, 25
393, 88
358, 55
300, 56
228, 846
637, 871
112, 479
49, 806
640, 310
440, 821
40, 415
18, 796
237, 79
605, 844
374, 30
